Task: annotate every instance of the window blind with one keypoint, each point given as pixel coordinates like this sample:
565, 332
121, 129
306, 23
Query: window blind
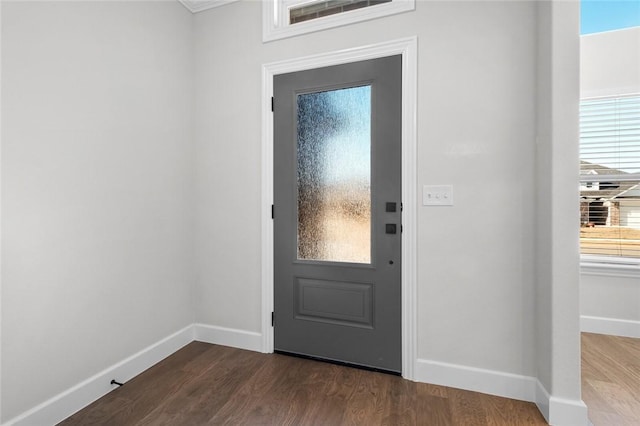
610, 176
308, 10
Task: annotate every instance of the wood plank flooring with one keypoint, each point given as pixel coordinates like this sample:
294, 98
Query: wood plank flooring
611, 379
205, 384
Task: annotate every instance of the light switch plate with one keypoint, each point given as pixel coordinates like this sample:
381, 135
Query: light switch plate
437, 195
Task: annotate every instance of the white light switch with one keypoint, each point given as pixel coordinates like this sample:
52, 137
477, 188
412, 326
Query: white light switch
437, 195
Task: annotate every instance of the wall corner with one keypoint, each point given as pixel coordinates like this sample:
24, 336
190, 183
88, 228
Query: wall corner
557, 251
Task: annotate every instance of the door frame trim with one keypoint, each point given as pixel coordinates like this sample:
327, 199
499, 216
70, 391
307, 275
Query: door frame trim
408, 48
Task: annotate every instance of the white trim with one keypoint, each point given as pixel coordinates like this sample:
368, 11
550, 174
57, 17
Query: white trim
560, 411
610, 267
79, 396
507, 385
407, 47
274, 29
611, 326
567, 412
557, 411
623, 94
0, 215
234, 338
491, 382
195, 6
542, 400
267, 202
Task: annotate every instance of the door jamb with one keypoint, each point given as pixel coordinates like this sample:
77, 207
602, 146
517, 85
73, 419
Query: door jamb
407, 47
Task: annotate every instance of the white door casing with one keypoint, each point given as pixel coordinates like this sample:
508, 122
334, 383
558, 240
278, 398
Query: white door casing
407, 47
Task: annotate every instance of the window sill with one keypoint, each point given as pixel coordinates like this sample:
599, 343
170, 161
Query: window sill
610, 267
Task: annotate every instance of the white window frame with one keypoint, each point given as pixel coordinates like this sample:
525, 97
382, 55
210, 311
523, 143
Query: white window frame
592, 264
275, 19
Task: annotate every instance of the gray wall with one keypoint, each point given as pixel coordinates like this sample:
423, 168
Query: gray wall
497, 103
113, 166
610, 65
476, 130
610, 297
97, 188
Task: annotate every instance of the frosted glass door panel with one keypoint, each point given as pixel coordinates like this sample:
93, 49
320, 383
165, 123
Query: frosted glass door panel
334, 175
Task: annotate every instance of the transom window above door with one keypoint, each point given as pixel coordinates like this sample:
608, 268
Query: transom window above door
288, 18
301, 10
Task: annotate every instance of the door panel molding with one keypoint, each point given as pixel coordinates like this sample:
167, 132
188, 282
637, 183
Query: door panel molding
407, 47
356, 311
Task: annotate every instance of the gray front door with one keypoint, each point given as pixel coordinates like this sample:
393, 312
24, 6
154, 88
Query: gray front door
337, 213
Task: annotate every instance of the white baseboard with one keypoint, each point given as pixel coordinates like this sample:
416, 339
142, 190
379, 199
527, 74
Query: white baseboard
561, 411
476, 379
543, 399
228, 337
79, 396
68, 402
612, 326
557, 411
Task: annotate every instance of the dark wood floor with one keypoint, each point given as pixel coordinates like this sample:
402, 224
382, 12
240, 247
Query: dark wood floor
206, 384
611, 379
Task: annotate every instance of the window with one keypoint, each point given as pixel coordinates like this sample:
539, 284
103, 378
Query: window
318, 9
610, 179
288, 18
